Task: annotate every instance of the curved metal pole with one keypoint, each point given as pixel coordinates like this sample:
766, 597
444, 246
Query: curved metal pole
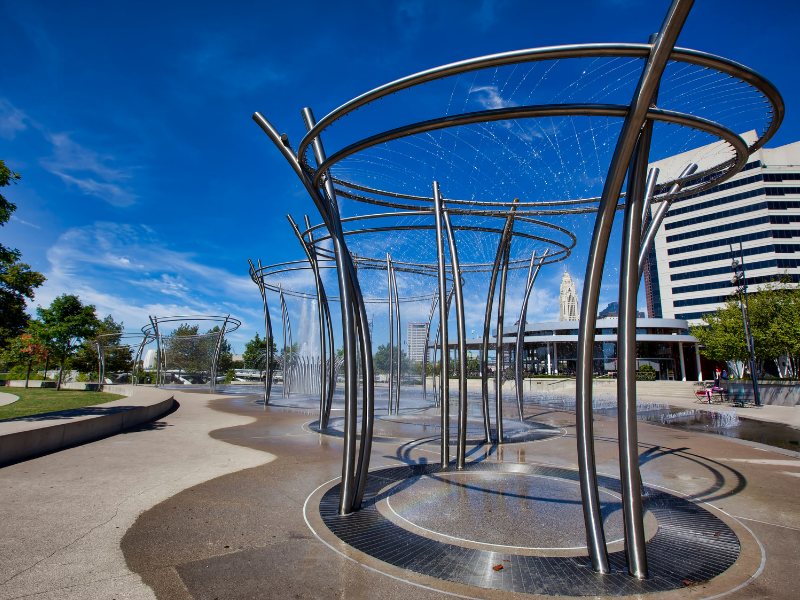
283, 353
630, 476
268, 340
523, 314
310, 253
321, 318
328, 209
499, 362
353, 316
648, 238
101, 366
444, 371
640, 103
487, 320
461, 443
331, 366
437, 348
425, 355
154, 322
217, 350
399, 342
391, 330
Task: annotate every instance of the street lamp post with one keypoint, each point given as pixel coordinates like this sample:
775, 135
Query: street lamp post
740, 281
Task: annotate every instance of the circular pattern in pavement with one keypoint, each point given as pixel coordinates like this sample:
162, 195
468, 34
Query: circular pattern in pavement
691, 544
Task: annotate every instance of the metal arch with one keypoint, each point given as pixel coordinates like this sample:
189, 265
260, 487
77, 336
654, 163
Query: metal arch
436, 346
101, 348
504, 239
549, 110
635, 119
523, 313
694, 57
461, 432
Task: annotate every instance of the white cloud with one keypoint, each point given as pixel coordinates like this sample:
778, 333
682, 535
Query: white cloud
129, 272
87, 167
12, 120
16, 218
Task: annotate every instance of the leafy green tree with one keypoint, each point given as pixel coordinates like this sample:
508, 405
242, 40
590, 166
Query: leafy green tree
17, 280
380, 360
774, 311
26, 351
63, 326
254, 355
187, 350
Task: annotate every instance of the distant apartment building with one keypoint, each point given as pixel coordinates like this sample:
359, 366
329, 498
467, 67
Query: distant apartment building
415, 340
689, 271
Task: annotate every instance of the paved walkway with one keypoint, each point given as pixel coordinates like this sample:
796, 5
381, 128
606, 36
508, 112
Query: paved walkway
6, 398
211, 502
64, 514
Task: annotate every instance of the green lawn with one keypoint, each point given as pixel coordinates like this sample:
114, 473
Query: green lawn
35, 401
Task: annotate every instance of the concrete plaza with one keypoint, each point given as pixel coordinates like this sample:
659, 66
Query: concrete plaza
220, 499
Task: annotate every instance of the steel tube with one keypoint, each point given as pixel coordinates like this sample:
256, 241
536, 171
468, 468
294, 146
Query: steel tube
630, 476
399, 342
425, 355
559, 110
444, 372
329, 210
640, 103
499, 362
391, 330
648, 238
557, 53
650, 188
487, 321
523, 313
321, 318
461, 435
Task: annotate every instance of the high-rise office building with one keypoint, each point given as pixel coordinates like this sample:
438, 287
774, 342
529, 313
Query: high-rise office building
415, 340
689, 272
567, 300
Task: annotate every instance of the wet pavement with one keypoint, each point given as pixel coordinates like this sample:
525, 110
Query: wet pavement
259, 533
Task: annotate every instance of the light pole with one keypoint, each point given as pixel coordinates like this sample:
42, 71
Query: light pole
740, 282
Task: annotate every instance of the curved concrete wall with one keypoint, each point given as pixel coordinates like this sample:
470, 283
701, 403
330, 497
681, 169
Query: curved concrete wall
26, 437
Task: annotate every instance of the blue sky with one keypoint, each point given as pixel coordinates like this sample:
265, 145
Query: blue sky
146, 185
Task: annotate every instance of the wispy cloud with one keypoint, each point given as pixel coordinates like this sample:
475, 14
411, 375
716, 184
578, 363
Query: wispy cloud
12, 120
129, 272
81, 167
16, 218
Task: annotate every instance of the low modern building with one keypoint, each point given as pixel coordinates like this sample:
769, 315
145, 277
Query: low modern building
552, 348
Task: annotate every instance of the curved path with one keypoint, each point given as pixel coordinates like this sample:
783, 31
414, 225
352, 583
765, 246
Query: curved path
208, 502
6, 398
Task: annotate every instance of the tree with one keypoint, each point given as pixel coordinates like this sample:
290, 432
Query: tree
255, 352
187, 349
774, 311
17, 280
25, 350
380, 360
63, 326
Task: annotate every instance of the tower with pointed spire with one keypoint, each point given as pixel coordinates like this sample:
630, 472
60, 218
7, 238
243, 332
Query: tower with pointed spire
568, 300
